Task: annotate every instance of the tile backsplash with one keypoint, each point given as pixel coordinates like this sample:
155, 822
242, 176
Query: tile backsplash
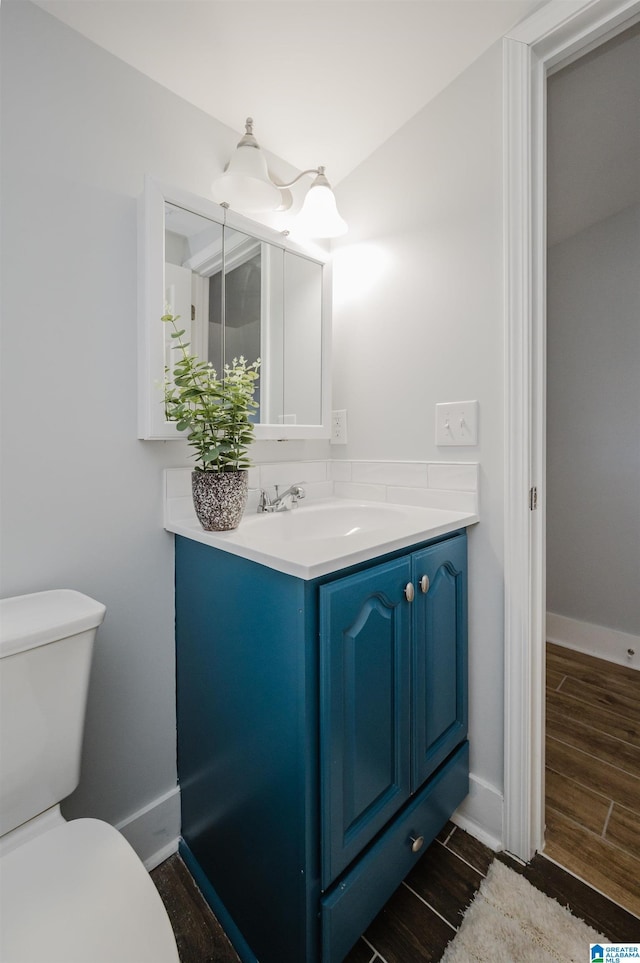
447, 485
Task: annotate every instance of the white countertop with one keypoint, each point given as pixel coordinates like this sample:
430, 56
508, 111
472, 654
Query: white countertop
325, 535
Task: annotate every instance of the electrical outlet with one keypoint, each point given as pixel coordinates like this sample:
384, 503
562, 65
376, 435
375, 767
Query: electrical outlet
339, 427
457, 423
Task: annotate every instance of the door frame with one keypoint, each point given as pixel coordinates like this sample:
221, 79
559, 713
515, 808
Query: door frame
553, 36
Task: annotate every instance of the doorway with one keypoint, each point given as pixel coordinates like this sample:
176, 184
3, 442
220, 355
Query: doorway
551, 38
592, 745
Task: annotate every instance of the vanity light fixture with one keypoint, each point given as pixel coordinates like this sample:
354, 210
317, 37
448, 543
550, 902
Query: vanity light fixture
245, 185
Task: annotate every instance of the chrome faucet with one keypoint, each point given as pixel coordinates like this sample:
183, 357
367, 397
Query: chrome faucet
281, 503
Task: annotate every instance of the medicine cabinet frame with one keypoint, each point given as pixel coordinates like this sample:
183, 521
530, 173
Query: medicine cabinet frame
152, 423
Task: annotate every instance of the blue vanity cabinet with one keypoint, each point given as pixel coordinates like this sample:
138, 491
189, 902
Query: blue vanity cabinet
393, 690
365, 709
439, 666
247, 727
321, 733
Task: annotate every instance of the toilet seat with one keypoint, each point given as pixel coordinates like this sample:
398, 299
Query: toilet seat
78, 893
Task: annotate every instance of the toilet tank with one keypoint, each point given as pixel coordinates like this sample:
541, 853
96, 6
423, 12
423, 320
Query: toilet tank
46, 640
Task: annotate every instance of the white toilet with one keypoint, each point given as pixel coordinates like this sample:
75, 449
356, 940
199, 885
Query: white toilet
70, 892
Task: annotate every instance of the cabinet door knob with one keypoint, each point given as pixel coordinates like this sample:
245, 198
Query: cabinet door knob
417, 842
424, 584
409, 592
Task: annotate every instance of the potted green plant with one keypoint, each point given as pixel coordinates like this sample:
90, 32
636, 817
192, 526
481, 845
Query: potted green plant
215, 412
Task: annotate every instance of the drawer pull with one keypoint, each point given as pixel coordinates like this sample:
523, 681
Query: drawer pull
409, 592
424, 584
417, 842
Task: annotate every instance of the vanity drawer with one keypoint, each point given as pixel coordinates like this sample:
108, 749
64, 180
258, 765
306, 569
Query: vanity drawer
348, 909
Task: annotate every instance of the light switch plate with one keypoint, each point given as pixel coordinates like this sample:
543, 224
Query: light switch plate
457, 423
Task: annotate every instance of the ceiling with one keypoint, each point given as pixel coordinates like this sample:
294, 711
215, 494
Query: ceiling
326, 81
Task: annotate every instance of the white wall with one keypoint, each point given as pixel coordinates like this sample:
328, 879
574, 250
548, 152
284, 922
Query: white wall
81, 497
418, 319
593, 424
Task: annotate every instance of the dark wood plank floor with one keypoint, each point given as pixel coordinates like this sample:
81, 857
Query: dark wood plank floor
199, 936
421, 917
593, 772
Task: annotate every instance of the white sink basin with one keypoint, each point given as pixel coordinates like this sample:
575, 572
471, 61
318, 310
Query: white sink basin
325, 521
320, 537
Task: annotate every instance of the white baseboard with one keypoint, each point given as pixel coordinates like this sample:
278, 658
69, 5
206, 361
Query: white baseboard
609, 644
154, 830
480, 814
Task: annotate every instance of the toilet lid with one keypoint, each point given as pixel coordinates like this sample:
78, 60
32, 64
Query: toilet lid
79, 894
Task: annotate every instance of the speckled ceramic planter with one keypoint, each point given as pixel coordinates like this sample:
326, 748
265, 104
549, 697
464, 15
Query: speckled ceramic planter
219, 498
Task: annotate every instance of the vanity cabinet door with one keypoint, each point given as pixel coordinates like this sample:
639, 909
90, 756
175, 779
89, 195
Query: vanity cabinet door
439, 665
364, 708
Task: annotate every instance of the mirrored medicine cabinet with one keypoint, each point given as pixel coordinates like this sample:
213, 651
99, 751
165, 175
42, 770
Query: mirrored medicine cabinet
240, 289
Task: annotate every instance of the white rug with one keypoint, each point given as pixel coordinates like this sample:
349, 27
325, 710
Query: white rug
510, 921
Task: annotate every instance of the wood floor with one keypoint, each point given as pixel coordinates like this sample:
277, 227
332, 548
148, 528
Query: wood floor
199, 936
421, 917
593, 772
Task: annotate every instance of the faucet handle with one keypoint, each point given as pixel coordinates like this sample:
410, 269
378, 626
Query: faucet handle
294, 489
279, 503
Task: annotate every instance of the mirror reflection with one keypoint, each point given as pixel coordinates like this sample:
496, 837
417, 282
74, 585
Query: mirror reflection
238, 295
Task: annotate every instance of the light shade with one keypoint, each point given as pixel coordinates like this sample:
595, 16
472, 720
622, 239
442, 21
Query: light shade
245, 185
319, 215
